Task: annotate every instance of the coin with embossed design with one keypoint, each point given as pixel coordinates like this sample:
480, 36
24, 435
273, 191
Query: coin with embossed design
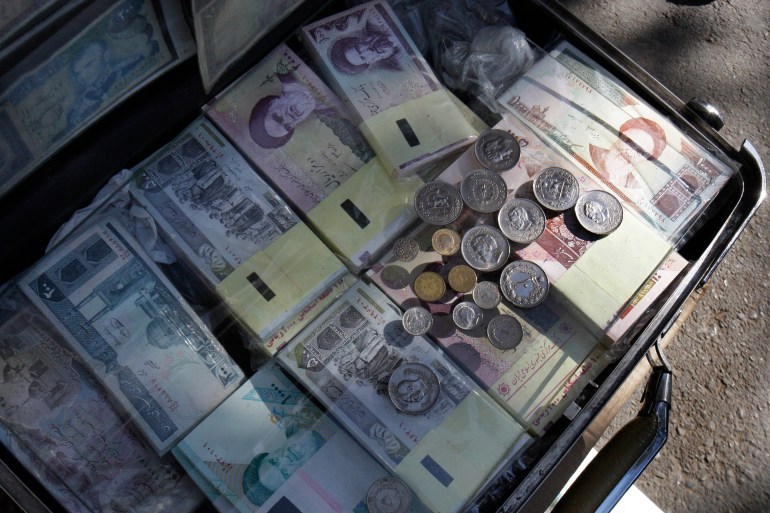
462, 278
484, 191
429, 286
467, 315
524, 283
556, 189
486, 294
485, 248
438, 203
405, 249
388, 495
497, 149
446, 242
417, 321
599, 212
504, 332
413, 388
521, 220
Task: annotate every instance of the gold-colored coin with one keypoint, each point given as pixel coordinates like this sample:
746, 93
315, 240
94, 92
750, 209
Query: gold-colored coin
429, 286
462, 278
446, 242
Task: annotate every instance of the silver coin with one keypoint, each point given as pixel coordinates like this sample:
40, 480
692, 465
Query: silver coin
521, 220
413, 388
485, 248
417, 321
599, 212
389, 495
406, 249
438, 203
487, 295
497, 150
467, 315
556, 189
484, 191
504, 332
524, 283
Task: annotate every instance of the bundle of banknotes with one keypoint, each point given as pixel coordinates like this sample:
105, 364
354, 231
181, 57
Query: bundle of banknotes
302, 138
659, 174
235, 230
111, 56
132, 330
269, 448
405, 113
62, 426
402, 398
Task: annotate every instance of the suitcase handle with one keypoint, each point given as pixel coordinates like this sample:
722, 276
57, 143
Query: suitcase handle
620, 462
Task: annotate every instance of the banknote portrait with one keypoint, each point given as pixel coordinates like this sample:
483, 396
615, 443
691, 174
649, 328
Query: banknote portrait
372, 47
640, 140
274, 117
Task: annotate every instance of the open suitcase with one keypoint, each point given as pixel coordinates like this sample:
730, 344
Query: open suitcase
155, 114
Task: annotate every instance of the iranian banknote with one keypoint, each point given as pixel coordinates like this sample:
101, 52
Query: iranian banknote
60, 424
122, 49
346, 356
269, 448
136, 334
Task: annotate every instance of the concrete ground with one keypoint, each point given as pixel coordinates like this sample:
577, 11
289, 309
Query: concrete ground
717, 458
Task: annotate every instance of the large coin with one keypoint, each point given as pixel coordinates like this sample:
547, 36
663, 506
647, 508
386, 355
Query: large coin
429, 286
467, 315
486, 294
521, 220
413, 388
462, 278
484, 191
497, 150
485, 248
446, 242
524, 283
417, 321
406, 249
504, 332
438, 203
389, 495
599, 212
556, 189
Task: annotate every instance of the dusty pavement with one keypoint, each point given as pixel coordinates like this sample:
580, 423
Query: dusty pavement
717, 458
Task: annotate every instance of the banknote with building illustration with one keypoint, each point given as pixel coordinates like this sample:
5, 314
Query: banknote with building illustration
60, 424
130, 327
113, 55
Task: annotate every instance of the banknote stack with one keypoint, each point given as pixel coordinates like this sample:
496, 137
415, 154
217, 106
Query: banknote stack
269, 448
235, 230
300, 135
59, 423
405, 113
112, 55
401, 398
663, 177
599, 286
131, 328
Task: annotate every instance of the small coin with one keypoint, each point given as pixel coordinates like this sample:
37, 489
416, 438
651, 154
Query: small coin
504, 332
446, 242
486, 294
467, 315
497, 150
599, 212
521, 220
485, 248
417, 321
438, 203
556, 189
413, 388
406, 249
429, 286
389, 495
484, 191
524, 283
462, 278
